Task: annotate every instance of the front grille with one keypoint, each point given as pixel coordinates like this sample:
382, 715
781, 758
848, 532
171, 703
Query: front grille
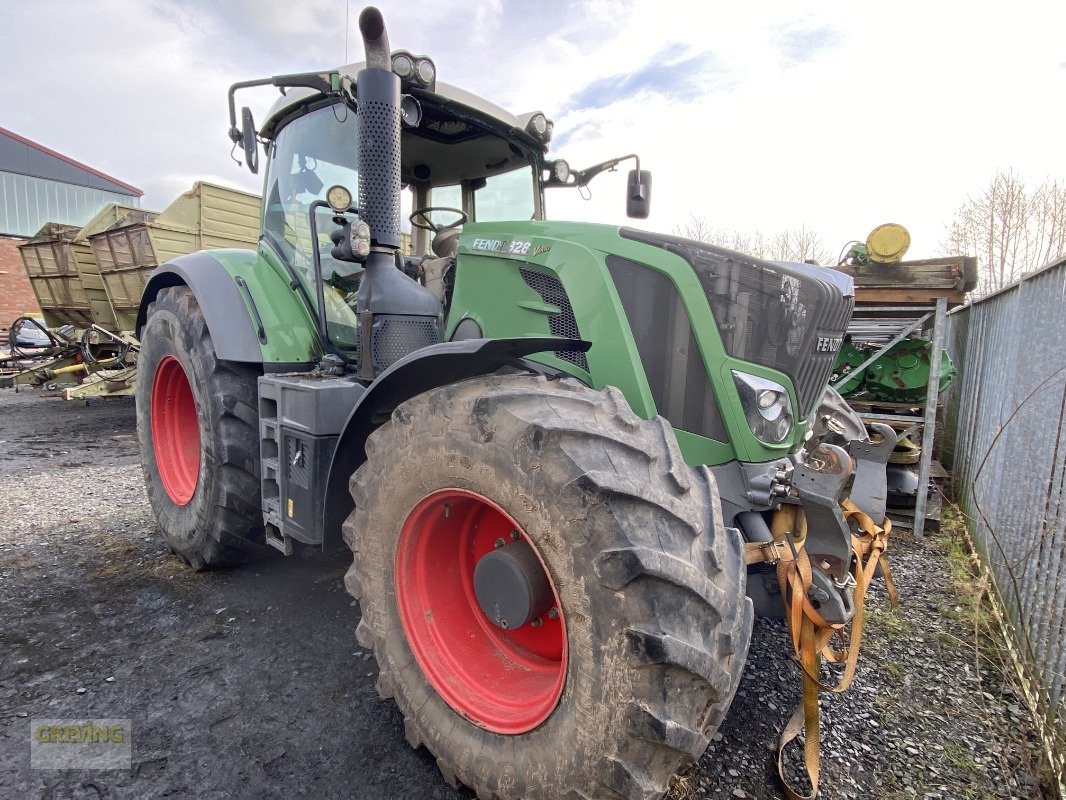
675, 368
563, 324
781, 316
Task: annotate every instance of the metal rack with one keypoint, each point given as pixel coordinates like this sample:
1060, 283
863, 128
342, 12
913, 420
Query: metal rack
886, 325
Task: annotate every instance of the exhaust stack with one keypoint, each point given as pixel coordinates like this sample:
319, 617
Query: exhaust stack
397, 315
378, 129
375, 38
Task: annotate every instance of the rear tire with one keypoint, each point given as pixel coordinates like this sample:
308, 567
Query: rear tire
651, 584
197, 426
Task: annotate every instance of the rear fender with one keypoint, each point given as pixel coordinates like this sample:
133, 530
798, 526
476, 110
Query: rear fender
253, 314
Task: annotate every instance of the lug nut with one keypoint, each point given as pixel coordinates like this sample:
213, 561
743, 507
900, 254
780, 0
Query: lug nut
553, 613
514, 534
535, 622
498, 543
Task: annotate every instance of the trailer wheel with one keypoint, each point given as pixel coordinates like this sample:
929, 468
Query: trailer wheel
197, 425
553, 600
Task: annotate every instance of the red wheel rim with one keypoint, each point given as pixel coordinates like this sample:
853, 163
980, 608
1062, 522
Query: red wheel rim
506, 681
175, 431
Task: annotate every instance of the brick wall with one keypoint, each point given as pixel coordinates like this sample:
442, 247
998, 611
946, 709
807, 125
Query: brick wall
16, 294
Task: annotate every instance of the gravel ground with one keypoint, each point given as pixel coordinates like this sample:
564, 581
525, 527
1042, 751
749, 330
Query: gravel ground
250, 683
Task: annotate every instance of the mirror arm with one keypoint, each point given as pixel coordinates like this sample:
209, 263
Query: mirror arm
582, 177
325, 82
234, 132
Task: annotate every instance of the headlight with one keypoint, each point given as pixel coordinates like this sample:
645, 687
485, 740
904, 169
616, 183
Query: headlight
561, 171
766, 407
339, 198
403, 65
410, 111
426, 71
361, 239
538, 125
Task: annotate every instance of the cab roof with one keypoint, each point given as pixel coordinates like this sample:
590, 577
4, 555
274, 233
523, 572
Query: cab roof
462, 136
294, 98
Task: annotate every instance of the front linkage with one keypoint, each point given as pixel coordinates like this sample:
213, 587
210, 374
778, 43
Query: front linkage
826, 550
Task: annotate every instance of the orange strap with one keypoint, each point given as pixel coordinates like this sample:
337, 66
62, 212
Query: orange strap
811, 633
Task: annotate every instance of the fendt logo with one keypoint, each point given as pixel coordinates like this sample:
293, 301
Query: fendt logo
828, 344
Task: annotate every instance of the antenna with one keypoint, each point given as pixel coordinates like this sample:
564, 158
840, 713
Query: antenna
347, 8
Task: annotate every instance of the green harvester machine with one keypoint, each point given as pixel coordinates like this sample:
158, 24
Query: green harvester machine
571, 461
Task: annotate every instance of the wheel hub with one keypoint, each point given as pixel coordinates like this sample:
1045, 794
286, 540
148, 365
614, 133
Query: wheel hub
511, 586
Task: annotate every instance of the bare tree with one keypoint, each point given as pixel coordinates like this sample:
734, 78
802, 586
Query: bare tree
698, 229
1011, 229
1049, 202
795, 244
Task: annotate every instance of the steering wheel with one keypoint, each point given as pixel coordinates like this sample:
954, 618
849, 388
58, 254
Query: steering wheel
420, 218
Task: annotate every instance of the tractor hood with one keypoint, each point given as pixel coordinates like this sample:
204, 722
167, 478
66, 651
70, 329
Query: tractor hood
788, 317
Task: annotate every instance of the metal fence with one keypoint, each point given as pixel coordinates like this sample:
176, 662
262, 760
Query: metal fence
1004, 439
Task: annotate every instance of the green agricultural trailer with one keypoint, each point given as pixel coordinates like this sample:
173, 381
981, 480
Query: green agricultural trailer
570, 460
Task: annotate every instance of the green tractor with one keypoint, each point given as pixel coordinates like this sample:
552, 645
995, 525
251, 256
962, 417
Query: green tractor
551, 447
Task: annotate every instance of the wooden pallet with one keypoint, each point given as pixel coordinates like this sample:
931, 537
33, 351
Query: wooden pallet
919, 281
887, 295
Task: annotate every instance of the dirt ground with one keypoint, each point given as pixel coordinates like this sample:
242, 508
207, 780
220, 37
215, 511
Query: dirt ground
250, 683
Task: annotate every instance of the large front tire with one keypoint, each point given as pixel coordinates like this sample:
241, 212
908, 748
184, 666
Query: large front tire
654, 618
197, 426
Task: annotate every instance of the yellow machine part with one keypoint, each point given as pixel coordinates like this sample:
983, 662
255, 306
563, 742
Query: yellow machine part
888, 243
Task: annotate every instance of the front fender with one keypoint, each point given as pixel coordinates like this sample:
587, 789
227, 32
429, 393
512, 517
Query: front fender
425, 369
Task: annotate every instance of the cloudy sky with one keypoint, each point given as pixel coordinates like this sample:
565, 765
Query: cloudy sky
756, 116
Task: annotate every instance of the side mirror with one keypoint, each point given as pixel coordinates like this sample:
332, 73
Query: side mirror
638, 194
251, 146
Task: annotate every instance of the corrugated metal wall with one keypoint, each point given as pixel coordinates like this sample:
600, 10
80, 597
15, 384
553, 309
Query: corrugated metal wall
1004, 439
27, 203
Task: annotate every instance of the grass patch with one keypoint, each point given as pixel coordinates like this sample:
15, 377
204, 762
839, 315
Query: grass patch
887, 623
893, 669
969, 582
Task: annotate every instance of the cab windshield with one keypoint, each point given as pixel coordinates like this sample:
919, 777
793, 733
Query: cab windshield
507, 196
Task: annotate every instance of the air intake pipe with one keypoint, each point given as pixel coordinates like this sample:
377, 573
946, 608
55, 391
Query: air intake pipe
375, 38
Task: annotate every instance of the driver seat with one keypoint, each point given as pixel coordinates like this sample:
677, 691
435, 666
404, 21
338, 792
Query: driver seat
434, 272
446, 243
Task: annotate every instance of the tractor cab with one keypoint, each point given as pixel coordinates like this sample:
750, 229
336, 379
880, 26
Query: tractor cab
462, 159
461, 156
